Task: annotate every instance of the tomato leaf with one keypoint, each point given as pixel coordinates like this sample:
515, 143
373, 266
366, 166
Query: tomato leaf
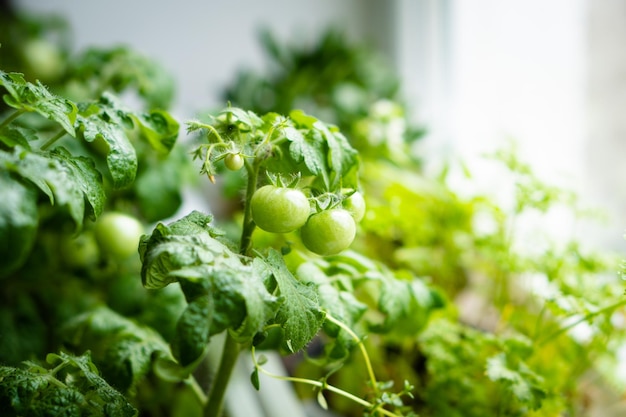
109, 120
67, 181
299, 314
124, 350
13, 136
98, 120
118, 69
73, 387
159, 128
19, 218
31, 97
224, 290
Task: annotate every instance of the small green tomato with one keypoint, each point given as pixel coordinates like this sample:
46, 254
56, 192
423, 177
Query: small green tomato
233, 161
355, 204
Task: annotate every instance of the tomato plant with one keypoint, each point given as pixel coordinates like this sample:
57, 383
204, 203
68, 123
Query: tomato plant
412, 308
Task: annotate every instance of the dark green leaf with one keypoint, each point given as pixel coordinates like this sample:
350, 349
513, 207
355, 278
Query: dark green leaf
124, 350
101, 121
73, 388
18, 223
67, 181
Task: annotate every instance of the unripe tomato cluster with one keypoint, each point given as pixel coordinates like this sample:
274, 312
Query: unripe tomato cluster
328, 232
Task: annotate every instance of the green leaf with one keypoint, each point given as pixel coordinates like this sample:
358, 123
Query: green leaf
124, 350
166, 175
193, 330
523, 383
13, 136
159, 128
406, 304
186, 242
67, 181
299, 314
188, 251
30, 97
72, 388
102, 120
19, 219
121, 69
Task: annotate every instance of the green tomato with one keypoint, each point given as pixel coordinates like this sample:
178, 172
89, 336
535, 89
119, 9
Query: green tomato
80, 251
118, 234
329, 232
355, 204
44, 59
279, 209
233, 161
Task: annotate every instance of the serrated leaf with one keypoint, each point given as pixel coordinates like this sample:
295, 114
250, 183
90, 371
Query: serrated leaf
67, 181
74, 389
97, 120
299, 314
19, 219
124, 350
236, 298
36, 98
186, 242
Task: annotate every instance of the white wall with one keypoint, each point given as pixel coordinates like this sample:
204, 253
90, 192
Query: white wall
202, 42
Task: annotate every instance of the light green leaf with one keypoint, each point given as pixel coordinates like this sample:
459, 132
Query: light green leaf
31, 97
524, 384
159, 128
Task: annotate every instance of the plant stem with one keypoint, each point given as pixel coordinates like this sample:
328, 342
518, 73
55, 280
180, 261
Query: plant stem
13, 116
52, 140
230, 353
248, 224
586, 317
366, 358
323, 386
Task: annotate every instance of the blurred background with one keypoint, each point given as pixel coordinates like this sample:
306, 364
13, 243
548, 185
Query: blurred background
548, 75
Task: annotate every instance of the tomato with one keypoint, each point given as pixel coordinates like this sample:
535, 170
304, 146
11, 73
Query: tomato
329, 232
118, 234
355, 204
233, 161
80, 251
279, 209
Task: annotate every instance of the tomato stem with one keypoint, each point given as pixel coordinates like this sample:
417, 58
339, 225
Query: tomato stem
230, 353
248, 224
11, 117
52, 140
231, 348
